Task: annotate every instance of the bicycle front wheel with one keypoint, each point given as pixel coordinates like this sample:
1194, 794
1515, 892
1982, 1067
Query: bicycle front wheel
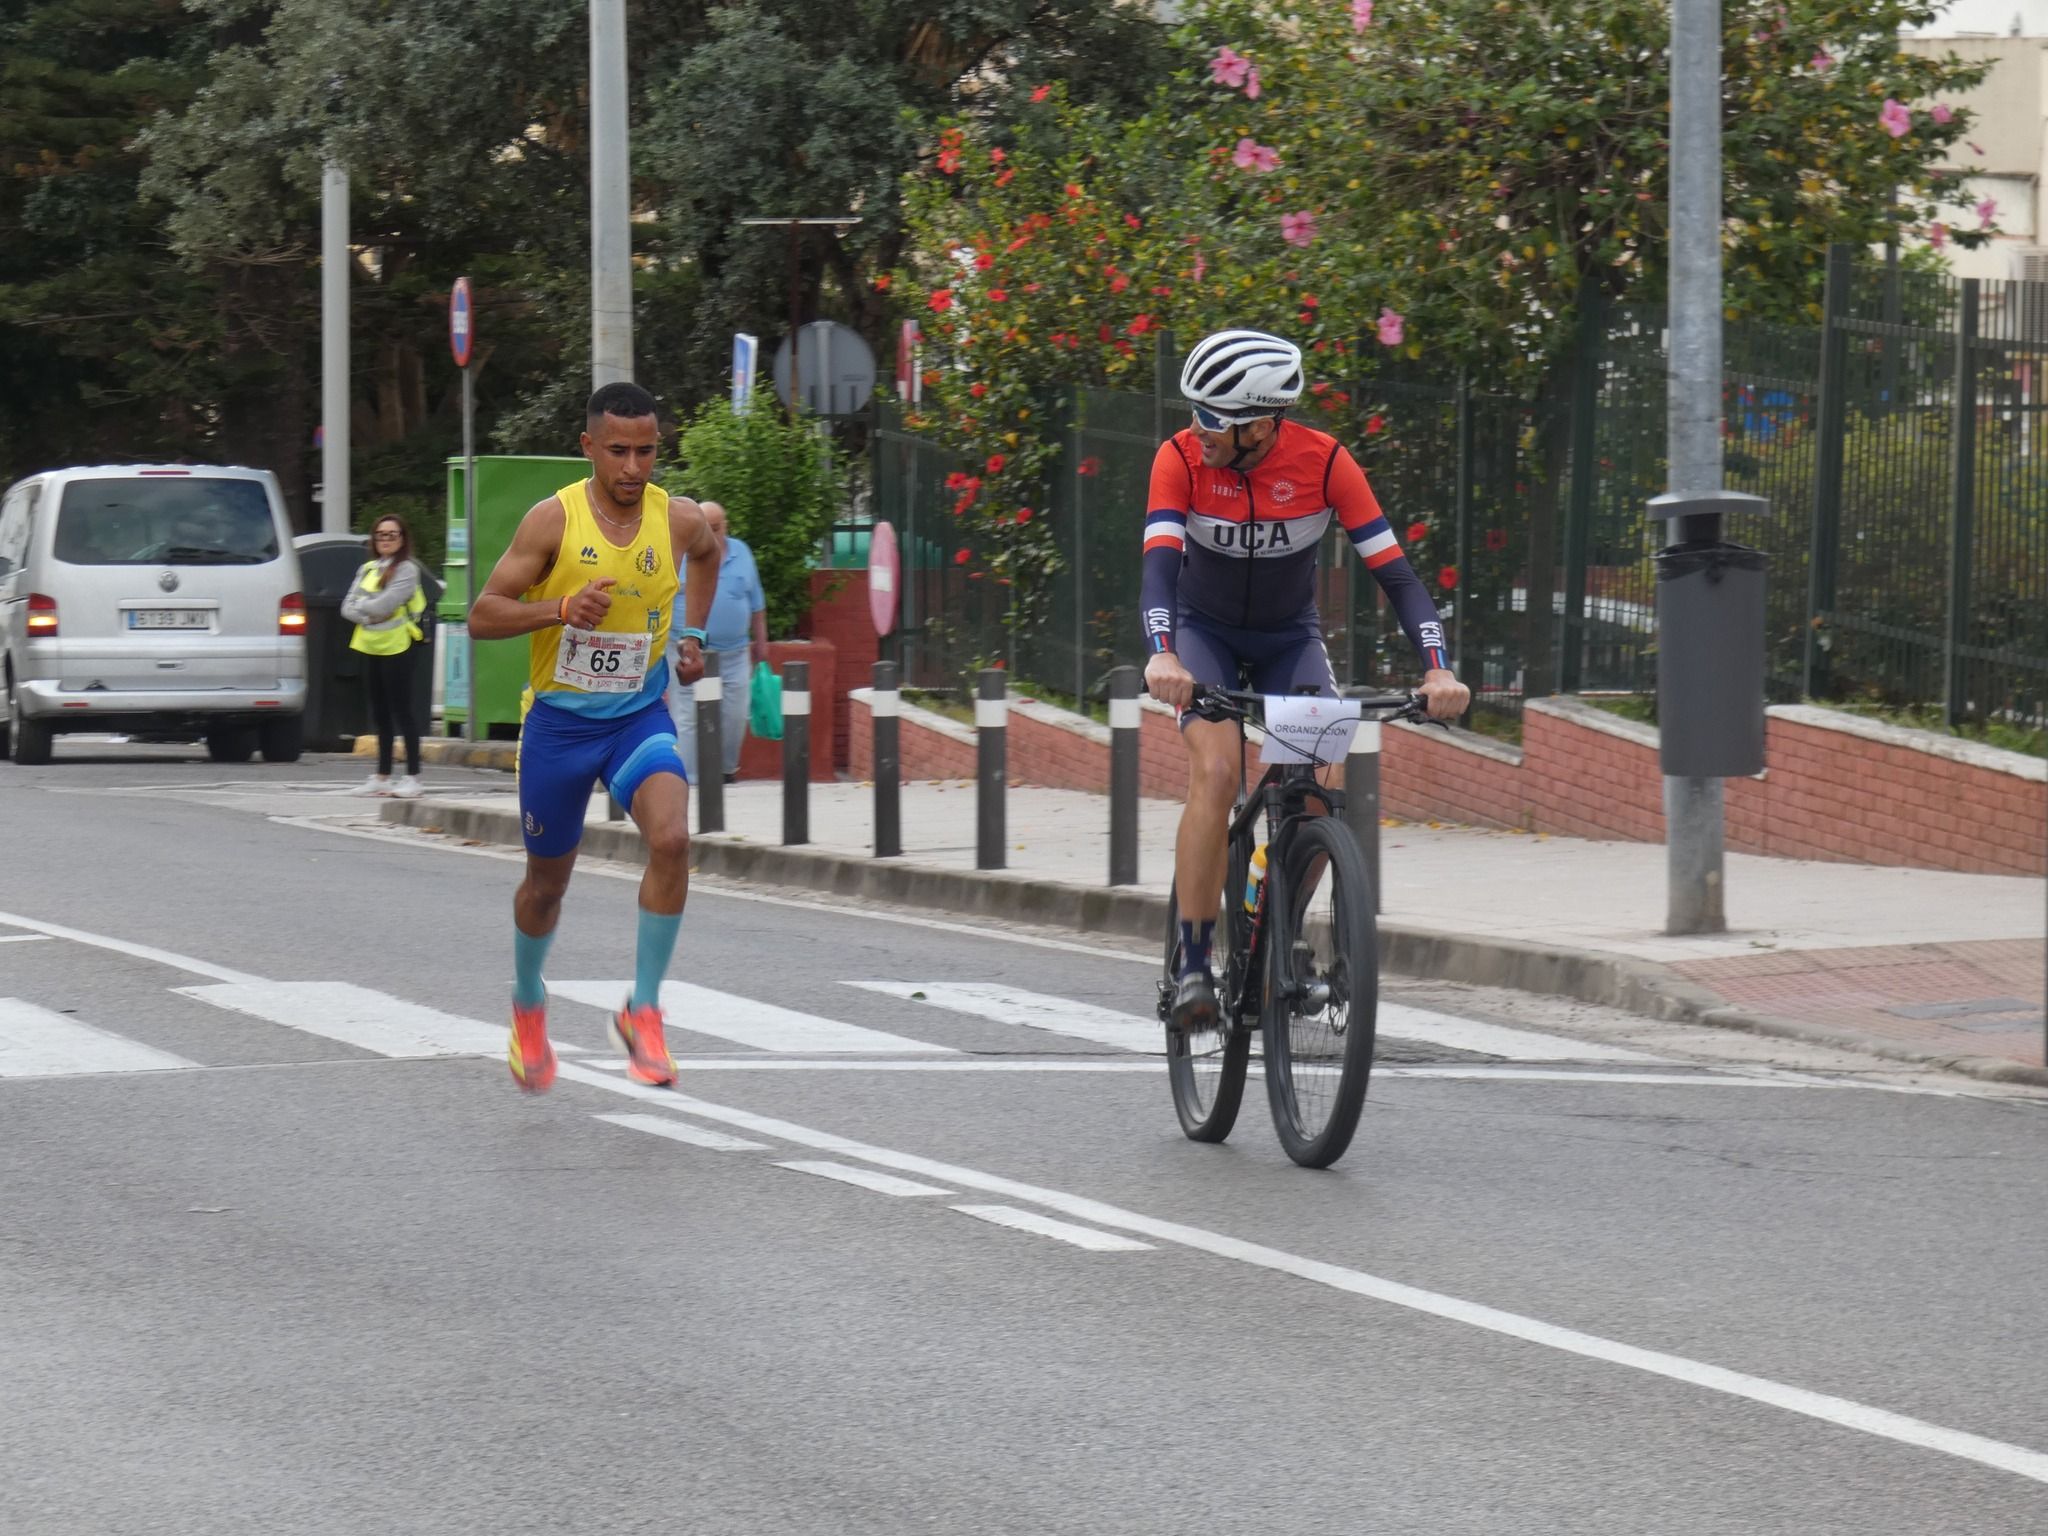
1206, 1067
1319, 1020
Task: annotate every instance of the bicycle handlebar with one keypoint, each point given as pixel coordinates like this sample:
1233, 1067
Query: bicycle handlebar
1231, 703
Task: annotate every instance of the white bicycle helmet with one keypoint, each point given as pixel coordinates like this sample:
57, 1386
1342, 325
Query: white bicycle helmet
1239, 376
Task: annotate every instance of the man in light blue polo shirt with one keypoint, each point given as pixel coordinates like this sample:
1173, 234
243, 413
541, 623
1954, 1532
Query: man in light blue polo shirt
736, 638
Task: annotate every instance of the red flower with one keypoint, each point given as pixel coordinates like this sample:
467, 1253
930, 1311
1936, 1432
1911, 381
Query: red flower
931, 378
1102, 334
1119, 283
997, 296
1319, 388
1141, 325
1308, 301
882, 283
941, 301
995, 463
961, 557
1023, 514
1447, 578
1019, 243
1375, 425
977, 389
1417, 532
1006, 176
1133, 220
995, 157
1496, 539
1033, 287
983, 262
956, 481
949, 160
1073, 189
1089, 466
1041, 93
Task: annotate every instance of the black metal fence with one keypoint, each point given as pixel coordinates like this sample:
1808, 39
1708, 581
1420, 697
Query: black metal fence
1899, 445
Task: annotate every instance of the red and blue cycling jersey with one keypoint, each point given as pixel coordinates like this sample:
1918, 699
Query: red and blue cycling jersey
1239, 547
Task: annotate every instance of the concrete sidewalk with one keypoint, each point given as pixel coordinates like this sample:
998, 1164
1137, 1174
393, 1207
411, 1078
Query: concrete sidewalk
1920, 965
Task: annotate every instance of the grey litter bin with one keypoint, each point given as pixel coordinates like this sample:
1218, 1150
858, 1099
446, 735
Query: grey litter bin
1710, 660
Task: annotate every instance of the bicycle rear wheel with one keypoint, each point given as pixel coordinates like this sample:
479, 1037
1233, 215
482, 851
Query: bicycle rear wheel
1319, 1037
1206, 1067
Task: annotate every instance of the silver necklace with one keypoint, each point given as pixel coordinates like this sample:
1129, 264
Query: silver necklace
600, 511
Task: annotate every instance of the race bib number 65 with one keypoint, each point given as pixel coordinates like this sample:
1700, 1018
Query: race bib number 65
602, 663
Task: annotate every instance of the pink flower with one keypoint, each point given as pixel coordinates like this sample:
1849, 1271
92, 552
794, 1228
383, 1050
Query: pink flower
1361, 15
1897, 119
1201, 265
1937, 236
1986, 212
1393, 328
1942, 114
1821, 62
1298, 228
1229, 67
1251, 83
1254, 156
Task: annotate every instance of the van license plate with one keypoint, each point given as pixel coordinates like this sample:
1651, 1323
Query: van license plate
169, 618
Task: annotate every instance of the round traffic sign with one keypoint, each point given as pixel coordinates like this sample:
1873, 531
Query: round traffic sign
882, 573
461, 324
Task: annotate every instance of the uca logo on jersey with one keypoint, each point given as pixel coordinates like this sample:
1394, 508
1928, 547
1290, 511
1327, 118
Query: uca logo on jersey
1259, 540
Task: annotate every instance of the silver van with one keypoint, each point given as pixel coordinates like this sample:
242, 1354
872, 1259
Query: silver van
153, 600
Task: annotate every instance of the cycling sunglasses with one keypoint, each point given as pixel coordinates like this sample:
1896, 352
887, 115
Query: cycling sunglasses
1209, 421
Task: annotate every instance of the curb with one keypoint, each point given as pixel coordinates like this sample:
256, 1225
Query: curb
451, 751
1612, 981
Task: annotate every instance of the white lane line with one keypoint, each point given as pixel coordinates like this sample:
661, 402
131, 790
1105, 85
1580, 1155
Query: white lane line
1044, 1226
691, 1065
1841, 1411
123, 947
866, 1178
742, 1020
1405, 1023
358, 1016
36, 1042
1032, 1010
24, 938
683, 1131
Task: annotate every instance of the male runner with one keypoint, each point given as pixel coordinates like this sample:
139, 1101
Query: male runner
1237, 508
591, 576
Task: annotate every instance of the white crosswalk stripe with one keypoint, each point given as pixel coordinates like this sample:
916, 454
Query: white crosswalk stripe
1431, 1028
1032, 1010
742, 1020
358, 1016
36, 1042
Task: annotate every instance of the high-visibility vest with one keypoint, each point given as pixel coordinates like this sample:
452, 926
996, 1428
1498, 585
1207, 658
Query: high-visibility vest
394, 635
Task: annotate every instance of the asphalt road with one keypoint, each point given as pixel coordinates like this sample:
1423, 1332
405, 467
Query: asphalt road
282, 1250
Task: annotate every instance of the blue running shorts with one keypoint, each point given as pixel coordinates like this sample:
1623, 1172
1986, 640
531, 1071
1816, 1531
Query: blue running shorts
563, 755
1290, 660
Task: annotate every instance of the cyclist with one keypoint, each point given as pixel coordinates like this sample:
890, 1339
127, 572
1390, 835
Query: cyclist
1238, 505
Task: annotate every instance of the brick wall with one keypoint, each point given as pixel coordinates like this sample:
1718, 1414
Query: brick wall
840, 617
1837, 788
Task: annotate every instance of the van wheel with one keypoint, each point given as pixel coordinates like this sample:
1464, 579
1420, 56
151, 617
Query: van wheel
284, 738
28, 741
231, 743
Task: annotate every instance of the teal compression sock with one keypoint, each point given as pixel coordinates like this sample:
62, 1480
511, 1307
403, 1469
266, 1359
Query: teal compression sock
528, 955
658, 932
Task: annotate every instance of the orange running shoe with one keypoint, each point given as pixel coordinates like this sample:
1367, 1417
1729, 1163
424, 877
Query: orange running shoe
529, 1055
637, 1032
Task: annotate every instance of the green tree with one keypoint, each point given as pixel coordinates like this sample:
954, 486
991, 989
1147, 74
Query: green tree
781, 485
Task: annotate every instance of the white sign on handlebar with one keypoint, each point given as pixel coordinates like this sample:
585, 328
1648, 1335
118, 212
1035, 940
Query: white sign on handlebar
1303, 729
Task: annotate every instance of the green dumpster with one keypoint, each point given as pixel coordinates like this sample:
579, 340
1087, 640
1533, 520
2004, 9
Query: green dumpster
507, 487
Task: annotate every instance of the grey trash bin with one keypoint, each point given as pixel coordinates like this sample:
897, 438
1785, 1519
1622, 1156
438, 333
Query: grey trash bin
336, 708
1710, 660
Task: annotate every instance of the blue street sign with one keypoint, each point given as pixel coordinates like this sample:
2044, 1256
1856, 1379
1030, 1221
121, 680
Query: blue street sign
745, 351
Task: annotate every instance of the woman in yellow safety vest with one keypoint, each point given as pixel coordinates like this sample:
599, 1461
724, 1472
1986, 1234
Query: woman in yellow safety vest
385, 603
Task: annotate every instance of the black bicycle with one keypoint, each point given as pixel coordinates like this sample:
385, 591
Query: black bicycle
1296, 953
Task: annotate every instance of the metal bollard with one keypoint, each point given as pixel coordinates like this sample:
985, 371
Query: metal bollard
1362, 799
991, 732
709, 692
884, 708
1123, 776
796, 752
